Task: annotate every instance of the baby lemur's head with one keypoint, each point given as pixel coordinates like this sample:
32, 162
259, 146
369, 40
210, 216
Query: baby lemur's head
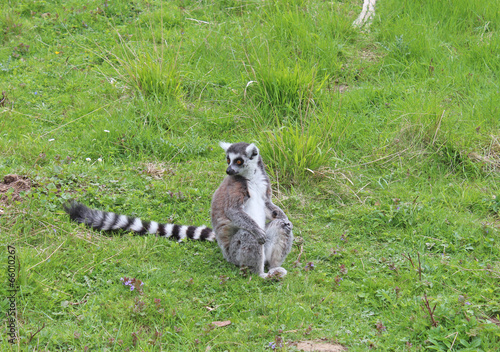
242, 158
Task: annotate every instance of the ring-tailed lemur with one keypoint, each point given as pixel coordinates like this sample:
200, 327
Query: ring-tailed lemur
249, 228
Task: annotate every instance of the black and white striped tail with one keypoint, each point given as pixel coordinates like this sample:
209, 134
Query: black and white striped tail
103, 220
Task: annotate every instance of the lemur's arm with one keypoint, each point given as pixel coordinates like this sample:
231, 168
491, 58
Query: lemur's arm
242, 220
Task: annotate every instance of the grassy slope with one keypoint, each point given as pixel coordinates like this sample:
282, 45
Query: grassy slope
386, 119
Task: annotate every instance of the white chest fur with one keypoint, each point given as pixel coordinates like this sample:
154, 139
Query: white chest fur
255, 205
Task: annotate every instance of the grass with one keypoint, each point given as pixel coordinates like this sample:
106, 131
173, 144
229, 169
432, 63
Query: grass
284, 92
294, 152
382, 145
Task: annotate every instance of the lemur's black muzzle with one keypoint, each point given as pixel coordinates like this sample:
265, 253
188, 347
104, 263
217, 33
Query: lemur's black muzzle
230, 171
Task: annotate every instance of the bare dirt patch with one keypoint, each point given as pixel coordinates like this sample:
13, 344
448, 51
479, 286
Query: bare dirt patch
490, 157
369, 54
494, 321
156, 170
341, 88
319, 346
337, 87
486, 160
12, 186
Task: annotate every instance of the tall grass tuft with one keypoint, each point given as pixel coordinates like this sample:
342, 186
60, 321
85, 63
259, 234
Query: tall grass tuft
148, 65
282, 91
294, 152
151, 70
153, 76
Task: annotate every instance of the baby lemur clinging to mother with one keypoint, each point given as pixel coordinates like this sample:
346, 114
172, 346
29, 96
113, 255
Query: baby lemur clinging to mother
249, 228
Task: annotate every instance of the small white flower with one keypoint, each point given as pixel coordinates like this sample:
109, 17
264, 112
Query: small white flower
99, 160
106, 131
52, 139
88, 159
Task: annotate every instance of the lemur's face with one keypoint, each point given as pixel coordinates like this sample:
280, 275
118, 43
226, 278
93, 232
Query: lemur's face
242, 158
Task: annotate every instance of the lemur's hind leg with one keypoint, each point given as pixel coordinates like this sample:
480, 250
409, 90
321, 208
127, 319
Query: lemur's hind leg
244, 250
279, 239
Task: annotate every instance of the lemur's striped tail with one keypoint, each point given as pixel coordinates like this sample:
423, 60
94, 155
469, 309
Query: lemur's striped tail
103, 220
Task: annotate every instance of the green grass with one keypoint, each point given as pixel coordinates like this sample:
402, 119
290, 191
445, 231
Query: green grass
382, 146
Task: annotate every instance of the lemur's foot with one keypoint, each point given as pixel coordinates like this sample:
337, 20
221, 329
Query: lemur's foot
277, 272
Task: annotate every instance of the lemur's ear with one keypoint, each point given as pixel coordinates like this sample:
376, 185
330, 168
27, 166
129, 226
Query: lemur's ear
252, 151
224, 145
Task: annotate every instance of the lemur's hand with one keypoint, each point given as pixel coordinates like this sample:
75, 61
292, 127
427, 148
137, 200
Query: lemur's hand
260, 236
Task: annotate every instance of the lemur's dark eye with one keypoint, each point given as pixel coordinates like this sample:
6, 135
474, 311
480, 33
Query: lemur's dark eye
228, 161
239, 162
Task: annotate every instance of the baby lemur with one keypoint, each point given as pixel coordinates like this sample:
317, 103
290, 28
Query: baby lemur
249, 228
